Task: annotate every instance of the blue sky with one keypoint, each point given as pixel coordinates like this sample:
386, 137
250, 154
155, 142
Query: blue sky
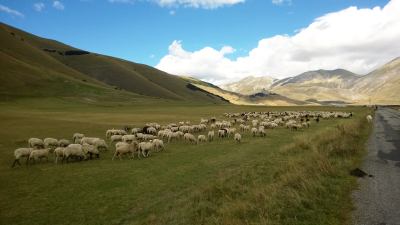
142, 30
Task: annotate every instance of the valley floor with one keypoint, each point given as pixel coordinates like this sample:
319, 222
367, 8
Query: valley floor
288, 177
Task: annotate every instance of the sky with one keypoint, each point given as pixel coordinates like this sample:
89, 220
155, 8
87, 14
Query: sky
221, 41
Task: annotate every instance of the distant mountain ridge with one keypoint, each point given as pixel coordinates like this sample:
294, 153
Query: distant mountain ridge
381, 86
250, 85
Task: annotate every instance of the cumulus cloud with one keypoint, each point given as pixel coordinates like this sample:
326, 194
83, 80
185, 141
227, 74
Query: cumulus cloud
358, 40
10, 11
39, 6
58, 5
205, 4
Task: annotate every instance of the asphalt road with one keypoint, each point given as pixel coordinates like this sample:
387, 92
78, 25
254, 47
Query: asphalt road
378, 199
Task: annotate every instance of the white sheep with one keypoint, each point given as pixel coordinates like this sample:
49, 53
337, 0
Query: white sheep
201, 138
123, 148
21, 153
59, 153
145, 148
254, 131
63, 142
39, 154
238, 137
158, 144
128, 138
51, 143
369, 118
76, 138
74, 150
261, 131
35, 143
91, 150
190, 138
115, 138
222, 133
89, 140
210, 135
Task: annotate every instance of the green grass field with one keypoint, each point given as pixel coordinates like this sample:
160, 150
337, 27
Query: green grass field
288, 177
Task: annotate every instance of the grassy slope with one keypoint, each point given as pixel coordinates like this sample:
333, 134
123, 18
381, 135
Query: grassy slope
28, 70
217, 183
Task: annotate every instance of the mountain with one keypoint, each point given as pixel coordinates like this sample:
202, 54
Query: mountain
35, 66
381, 85
250, 85
267, 99
320, 85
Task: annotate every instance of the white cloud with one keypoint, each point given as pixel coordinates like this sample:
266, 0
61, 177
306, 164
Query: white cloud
58, 5
359, 40
281, 2
205, 4
39, 6
12, 12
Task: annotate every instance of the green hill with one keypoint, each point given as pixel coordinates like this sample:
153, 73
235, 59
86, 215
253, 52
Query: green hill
34, 66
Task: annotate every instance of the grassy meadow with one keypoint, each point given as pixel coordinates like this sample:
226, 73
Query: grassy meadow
288, 177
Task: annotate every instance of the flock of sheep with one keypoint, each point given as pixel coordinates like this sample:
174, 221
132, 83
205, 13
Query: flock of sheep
142, 141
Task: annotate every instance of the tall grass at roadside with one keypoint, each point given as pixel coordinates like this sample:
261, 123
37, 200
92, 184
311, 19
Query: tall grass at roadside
306, 182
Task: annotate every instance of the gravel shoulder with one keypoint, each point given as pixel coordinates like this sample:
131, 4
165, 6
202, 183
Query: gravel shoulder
377, 201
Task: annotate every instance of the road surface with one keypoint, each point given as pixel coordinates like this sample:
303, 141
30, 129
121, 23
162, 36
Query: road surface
377, 201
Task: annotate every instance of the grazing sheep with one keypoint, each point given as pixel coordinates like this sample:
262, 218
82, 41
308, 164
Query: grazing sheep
369, 118
210, 135
145, 148
123, 148
63, 142
115, 138
128, 138
51, 143
158, 144
36, 143
151, 130
135, 130
39, 154
261, 131
238, 137
21, 153
100, 144
201, 138
59, 153
74, 150
222, 133
91, 150
89, 140
190, 138
254, 131
76, 138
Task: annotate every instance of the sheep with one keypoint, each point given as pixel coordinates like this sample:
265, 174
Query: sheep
115, 138
89, 140
201, 138
210, 135
369, 118
91, 150
254, 131
51, 143
190, 138
222, 133
74, 150
158, 144
237, 137
63, 142
261, 131
36, 143
100, 144
230, 131
39, 154
151, 130
21, 153
135, 130
76, 138
59, 153
145, 148
122, 148
128, 138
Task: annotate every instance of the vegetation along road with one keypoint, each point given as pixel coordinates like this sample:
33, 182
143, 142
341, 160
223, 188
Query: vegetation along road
378, 200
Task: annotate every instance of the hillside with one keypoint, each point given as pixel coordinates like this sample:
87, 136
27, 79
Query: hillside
250, 85
34, 66
267, 99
